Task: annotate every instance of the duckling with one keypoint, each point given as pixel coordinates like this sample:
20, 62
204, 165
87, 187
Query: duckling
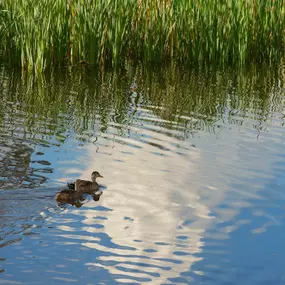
69, 196
85, 186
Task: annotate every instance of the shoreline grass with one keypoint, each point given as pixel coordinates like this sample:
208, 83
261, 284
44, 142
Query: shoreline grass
36, 34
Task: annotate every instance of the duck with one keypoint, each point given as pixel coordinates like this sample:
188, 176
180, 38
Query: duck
74, 198
69, 196
86, 186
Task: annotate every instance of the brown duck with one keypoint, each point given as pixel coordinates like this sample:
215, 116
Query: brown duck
69, 196
86, 186
73, 197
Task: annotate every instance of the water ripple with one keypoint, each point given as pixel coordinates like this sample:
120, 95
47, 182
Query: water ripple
193, 167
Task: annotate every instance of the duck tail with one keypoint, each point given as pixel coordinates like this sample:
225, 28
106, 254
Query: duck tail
71, 186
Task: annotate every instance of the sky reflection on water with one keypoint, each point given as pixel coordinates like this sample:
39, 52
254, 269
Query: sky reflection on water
193, 166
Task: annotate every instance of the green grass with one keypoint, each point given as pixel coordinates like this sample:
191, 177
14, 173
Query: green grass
35, 34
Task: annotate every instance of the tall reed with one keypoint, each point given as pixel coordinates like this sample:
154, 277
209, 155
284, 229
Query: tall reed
36, 34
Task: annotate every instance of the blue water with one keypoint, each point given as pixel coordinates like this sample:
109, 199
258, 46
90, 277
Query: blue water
193, 187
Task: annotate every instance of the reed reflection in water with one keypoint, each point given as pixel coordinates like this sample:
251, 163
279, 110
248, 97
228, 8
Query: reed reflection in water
192, 164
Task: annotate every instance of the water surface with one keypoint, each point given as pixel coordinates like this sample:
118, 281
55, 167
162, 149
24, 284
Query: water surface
193, 163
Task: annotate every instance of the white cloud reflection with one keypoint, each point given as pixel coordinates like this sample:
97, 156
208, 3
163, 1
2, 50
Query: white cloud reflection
162, 197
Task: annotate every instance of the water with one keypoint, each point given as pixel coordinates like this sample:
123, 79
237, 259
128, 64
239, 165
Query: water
193, 164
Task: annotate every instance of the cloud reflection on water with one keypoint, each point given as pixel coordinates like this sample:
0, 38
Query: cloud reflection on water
150, 207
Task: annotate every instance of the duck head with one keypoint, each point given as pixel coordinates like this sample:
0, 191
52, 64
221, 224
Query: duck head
95, 175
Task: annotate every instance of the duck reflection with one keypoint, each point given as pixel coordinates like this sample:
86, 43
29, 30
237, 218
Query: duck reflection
75, 198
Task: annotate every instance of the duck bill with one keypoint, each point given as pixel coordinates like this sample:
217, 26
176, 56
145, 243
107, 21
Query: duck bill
101, 176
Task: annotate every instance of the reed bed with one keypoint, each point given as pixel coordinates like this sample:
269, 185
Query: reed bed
36, 34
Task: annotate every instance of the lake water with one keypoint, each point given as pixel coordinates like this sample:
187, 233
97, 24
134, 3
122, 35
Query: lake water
193, 163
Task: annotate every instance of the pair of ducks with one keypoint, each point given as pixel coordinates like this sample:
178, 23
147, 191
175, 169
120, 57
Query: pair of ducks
77, 190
